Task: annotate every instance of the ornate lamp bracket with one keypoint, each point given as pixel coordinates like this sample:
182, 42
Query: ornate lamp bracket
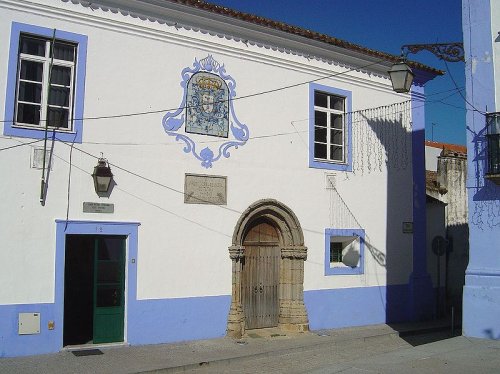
451, 52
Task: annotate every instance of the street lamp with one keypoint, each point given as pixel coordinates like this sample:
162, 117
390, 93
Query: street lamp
102, 176
401, 74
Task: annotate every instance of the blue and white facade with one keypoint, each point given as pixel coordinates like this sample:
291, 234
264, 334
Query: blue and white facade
351, 188
481, 299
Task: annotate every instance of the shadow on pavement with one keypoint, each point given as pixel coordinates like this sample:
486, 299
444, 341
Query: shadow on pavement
420, 338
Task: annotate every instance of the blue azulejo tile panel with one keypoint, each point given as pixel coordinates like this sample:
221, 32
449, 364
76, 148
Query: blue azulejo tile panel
172, 320
346, 307
12, 344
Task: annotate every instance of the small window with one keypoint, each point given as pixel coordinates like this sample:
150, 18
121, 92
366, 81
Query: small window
45, 83
329, 139
344, 250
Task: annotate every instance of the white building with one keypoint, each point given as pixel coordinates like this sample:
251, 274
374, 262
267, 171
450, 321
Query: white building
263, 175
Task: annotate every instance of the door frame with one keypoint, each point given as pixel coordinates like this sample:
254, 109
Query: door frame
292, 311
127, 229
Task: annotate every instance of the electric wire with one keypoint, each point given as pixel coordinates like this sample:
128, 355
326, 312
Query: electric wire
218, 101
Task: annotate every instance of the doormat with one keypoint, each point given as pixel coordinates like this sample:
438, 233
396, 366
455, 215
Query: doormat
87, 352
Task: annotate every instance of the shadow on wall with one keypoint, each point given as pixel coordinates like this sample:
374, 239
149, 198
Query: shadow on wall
393, 131
485, 205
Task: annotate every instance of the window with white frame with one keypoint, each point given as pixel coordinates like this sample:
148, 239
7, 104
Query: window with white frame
344, 251
329, 127
45, 83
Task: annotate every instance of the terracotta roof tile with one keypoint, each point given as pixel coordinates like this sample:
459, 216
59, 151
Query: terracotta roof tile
300, 32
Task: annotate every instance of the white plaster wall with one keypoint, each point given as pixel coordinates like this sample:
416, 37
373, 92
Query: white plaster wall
134, 66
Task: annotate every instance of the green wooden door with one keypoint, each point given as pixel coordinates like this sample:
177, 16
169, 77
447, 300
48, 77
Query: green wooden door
109, 296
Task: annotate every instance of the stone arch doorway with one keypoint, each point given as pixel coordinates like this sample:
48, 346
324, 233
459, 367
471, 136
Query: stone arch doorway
270, 228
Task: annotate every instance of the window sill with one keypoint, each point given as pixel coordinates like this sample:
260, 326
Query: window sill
343, 270
36, 132
495, 178
330, 165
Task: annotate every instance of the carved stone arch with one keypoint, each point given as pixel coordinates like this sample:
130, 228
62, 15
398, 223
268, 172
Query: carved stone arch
292, 312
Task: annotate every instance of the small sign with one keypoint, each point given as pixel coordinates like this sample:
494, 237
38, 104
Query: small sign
205, 189
98, 207
407, 227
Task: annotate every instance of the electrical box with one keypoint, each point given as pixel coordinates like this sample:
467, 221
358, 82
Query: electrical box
29, 323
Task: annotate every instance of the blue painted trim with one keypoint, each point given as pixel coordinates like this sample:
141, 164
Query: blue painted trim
418, 173
360, 269
358, 306
173, 320
325, 164
79, 94
421, 301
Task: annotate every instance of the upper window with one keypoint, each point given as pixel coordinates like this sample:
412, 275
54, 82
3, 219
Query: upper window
45, 84
330, 146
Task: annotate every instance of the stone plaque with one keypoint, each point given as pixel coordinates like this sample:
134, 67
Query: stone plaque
205, 189
98, 207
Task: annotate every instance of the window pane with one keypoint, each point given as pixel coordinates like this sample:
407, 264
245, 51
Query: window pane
110, 249
320, 150
335, 252
31, 71
59, 96
64, 52
32, 46
108, 271
337, 103
27, 113
336, 153
320, 134
31, 92
336, 121
320, 99
493, 153
58, 117
108, 296
336, 137
320, 118
61, 75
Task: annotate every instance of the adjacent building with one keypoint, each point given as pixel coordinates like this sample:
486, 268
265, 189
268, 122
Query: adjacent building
481, 25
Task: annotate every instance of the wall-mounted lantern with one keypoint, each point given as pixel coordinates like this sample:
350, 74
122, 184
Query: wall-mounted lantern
102, 176
401, 76
493, 138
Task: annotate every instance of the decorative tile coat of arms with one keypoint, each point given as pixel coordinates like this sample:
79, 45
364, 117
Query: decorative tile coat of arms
206, 109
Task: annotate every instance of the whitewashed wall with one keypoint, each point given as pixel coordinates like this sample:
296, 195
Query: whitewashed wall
134, 66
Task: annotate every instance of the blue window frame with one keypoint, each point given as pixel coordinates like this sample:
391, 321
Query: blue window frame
330, 128
344, 251
28, 103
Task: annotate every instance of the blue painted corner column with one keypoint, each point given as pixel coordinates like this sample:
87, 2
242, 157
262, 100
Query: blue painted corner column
481, 299
421, 300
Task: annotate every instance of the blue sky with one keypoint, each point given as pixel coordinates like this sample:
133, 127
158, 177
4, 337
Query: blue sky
386, 25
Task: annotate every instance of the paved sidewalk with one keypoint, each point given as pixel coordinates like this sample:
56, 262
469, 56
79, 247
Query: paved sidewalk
371, 349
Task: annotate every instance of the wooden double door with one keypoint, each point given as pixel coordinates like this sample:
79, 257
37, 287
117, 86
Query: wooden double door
261, 275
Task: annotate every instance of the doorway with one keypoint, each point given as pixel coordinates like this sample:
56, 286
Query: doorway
261, 276
94, 285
